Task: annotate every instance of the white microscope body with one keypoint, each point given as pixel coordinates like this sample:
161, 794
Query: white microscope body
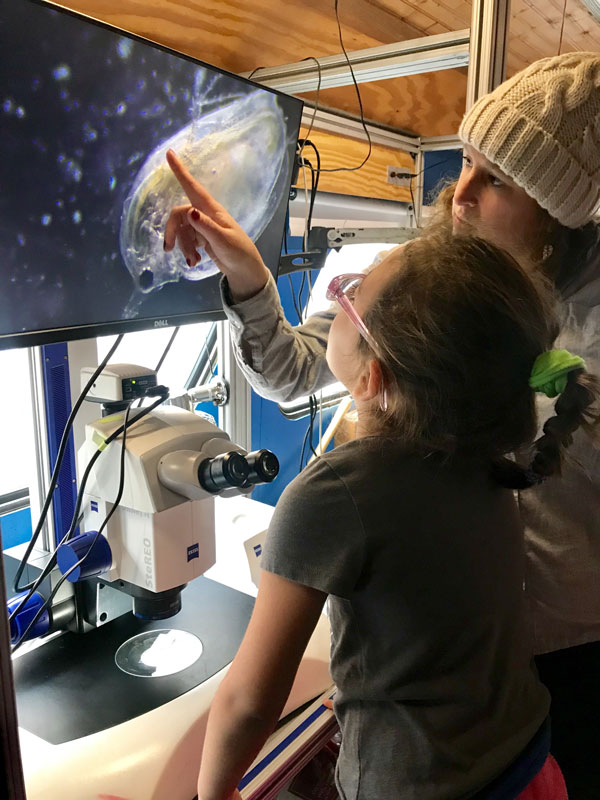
163, 534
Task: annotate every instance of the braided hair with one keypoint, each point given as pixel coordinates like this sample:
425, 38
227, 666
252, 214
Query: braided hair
459, 326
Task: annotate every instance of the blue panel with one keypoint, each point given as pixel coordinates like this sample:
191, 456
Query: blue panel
209, 408
441, 167
270, 428
16, 528
284, 437
58, 407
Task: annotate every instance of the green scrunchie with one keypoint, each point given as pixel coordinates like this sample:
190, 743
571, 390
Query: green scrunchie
550, 370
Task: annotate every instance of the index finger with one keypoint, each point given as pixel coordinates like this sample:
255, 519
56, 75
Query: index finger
197, 194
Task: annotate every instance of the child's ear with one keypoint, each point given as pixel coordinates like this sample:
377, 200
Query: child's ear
370, 384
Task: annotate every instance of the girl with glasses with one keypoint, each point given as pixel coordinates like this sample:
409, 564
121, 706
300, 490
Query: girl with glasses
531, 183
411, 533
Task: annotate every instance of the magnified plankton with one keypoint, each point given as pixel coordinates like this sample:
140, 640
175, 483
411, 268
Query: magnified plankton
238, 152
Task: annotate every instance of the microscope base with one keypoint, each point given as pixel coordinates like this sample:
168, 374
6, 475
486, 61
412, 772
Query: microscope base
71, 687
87, 731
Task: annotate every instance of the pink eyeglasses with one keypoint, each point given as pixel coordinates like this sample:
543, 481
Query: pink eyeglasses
342, 289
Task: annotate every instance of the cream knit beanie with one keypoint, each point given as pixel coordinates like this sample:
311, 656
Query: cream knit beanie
542, 128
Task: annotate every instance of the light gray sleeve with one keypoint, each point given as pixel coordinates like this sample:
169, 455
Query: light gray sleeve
316, 537
280, 361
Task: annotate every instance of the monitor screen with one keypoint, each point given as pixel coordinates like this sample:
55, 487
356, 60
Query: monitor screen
87, 115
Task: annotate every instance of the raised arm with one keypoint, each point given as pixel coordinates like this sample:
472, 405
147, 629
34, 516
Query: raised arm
205, 223
252, 695
280, 361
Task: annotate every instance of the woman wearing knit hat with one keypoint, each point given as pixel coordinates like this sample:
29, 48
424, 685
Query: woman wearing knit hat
531, 178
531, 183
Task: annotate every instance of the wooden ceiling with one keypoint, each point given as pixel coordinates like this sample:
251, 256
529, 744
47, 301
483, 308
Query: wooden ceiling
241, 35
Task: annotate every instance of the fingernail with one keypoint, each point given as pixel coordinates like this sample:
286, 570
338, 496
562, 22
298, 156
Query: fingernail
195, 214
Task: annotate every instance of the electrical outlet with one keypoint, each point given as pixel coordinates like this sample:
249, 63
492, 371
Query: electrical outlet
398, 176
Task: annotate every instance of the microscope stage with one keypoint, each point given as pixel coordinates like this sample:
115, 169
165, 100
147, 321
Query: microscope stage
71, 687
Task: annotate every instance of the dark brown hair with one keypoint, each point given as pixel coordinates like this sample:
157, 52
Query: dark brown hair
459, 325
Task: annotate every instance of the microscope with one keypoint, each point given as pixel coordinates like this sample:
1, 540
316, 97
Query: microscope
131, 639
160, 535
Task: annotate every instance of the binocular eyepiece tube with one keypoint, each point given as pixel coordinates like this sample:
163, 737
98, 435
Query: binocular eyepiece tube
234, 469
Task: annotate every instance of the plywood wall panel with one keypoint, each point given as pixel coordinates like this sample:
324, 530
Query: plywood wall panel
407, 104
368, 181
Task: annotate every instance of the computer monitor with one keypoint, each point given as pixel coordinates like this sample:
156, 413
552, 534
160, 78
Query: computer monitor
87, 114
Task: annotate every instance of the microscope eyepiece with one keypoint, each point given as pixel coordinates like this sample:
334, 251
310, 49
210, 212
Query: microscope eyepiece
263, 466
223, 472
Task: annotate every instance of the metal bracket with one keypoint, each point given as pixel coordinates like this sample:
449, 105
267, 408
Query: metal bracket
339, 237
321, 240
415, 56
216, 391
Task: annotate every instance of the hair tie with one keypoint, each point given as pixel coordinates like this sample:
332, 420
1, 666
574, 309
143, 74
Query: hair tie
550, 370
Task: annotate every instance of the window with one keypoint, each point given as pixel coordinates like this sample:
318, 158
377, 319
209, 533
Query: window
145, 348
15, 407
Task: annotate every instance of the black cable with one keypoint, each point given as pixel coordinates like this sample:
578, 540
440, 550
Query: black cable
315, 183
286, 229
408, 175
297, 300
294, 301
308, 436
316, 106
313, 416
163, 394
52, 561
299, 303
362, 117
163, 356
360, 105
167, 348
304, 162
305, 439
412, 197
57, 465
562, 27
431, 166
64, 577
253, 71
306, 233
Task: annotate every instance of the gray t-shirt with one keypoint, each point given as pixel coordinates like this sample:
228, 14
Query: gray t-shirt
561, 516
424, 567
